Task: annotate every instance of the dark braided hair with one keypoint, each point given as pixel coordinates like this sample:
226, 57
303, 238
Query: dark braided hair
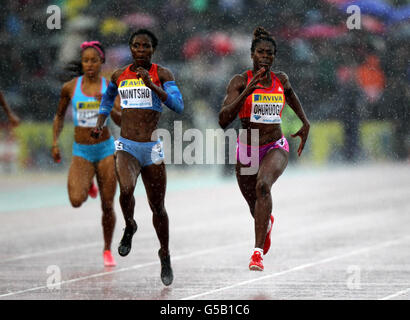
259, 35
154, 39
72, 70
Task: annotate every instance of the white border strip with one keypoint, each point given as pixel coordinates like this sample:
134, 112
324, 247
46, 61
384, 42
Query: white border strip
395, 295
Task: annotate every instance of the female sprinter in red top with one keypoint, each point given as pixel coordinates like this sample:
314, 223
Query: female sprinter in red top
258, 96
142, 86
90, 156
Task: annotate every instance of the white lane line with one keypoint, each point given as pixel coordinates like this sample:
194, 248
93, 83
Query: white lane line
140, 236
137, 266
54, 251
147, 235
301, 267
397, 294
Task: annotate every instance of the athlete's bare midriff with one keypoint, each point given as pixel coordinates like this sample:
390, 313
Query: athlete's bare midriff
139, 124
82, 135
266, 132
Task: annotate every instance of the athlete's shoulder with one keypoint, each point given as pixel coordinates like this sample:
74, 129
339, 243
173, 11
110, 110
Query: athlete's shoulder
117, 73
283, 77
163, 69
245, 74
164, 74
69, 87
240, 77
239, 80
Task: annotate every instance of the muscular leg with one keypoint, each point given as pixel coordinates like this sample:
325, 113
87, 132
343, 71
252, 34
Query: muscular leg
107, 183
270, 169
247, 185
80, 177
155, 181
127, 169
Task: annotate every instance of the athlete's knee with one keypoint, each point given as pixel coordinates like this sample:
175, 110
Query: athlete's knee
262, 188
76, 194
76, 202
107, 207
108, 217
158, 208
126, 191
159, 211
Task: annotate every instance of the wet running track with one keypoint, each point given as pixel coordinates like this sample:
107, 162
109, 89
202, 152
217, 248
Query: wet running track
341, 232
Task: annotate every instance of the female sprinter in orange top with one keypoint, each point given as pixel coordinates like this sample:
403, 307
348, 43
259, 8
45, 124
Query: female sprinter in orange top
142, 86
90, 156
258, 96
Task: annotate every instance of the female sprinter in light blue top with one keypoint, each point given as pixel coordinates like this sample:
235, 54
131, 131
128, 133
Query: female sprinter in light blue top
143, 87
90, 156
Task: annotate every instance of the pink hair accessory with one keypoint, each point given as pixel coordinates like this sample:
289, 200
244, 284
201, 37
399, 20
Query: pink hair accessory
93, 44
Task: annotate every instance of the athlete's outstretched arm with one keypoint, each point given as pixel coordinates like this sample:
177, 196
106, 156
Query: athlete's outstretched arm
58, 122
14, 120
294, 102
236, 93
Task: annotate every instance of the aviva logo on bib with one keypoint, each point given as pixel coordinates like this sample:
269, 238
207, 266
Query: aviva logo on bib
268, 98
91, 105
132, 83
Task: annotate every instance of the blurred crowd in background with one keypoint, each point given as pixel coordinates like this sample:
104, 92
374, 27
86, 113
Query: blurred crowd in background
338, 74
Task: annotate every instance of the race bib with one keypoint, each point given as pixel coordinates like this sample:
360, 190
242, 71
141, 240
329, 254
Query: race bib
134, 94
267, 107
87, 113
